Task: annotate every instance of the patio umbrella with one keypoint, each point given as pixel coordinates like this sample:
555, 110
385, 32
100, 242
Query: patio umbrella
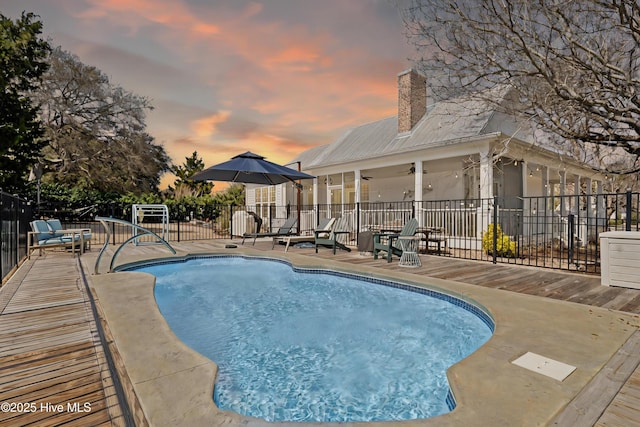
250, 168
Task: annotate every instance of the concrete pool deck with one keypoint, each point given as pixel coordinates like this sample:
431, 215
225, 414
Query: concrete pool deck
174, 384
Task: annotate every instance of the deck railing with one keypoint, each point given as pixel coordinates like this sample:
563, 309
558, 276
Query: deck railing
15, 215
553, 232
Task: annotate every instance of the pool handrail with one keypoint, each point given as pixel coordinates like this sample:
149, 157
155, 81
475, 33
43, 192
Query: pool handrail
145, 231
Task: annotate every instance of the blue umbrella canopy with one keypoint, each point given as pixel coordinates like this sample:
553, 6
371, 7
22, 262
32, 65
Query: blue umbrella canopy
250, 168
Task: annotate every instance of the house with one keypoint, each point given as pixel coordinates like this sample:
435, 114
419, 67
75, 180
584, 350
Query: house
461, 151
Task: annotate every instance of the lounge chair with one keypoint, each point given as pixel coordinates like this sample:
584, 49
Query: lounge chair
43, 237
339, 230
56, 226
287, 229
324, 225
386, 241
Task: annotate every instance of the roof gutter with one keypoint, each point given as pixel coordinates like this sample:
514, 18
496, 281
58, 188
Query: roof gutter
465, 140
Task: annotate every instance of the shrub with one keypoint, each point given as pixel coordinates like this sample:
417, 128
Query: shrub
505, 247
203, 208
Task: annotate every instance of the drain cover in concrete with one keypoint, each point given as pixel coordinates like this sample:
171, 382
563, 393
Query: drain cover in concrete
545, 366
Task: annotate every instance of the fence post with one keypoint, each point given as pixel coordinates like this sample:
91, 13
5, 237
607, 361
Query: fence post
628, 218
517, 235
571, 226
179, 229
231, 221
2, 270
495, 230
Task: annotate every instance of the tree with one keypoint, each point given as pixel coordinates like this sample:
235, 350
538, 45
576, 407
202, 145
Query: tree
186, 186
97, 131
22, 63
573, 66
233, 195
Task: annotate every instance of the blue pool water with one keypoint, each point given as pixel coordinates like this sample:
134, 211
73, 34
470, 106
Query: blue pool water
313, 346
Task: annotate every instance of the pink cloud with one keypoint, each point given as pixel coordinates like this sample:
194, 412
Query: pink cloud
138, 13
206, 126
286, 84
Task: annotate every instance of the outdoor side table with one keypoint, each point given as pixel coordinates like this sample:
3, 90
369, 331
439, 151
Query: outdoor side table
409, 246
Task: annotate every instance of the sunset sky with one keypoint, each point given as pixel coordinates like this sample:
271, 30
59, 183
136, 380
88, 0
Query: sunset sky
225, 76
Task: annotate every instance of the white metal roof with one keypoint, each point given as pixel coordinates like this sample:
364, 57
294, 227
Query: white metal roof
453, 120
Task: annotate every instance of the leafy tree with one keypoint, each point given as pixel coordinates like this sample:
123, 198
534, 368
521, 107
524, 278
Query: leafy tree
22, 63
573, 67
233, 195
184, 186
97, 131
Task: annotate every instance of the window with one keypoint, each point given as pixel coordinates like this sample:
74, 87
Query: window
265, 198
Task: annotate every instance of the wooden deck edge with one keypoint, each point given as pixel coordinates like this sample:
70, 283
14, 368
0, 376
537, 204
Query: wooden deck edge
594, 399
127, 386
12, 282
123, 388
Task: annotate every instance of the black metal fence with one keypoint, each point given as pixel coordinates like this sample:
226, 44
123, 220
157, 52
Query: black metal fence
560, 232
187, 221
15, 215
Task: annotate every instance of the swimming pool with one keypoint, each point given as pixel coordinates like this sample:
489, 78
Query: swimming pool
317, 346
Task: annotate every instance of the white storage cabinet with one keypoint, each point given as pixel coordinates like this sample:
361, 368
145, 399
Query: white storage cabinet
620, 259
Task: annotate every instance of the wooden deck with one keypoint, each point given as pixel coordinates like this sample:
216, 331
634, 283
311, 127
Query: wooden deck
52, 365
50, 352
574, 287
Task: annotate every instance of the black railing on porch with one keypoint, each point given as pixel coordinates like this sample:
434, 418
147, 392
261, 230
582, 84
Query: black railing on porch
558, 232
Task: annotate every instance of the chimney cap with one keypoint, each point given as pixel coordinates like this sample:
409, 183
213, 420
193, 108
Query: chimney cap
409, 71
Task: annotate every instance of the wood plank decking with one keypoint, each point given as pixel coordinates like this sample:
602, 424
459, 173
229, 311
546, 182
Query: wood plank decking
52, 365
50, 351
566, 286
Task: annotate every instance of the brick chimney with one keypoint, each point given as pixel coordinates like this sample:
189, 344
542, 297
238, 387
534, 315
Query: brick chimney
412, 99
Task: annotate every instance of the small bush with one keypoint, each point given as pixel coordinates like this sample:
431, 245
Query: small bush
505, 247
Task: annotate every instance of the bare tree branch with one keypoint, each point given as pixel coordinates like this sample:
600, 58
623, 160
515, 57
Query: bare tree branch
573, 65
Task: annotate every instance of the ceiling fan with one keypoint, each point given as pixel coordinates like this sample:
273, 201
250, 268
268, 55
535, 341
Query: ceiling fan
366, 178
407, 194
412, 170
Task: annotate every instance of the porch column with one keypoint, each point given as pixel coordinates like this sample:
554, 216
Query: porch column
526, 201
315, 195
546, 191
576, 193
589, 199
545, 181
486, 175
327, 196
524, 177
563, 192
485, 207
356, 174
417, 191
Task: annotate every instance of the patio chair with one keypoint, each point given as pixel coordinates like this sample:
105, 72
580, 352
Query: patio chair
386, 241
43, 237
340, 228
287, 229
325, 226
56, 226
